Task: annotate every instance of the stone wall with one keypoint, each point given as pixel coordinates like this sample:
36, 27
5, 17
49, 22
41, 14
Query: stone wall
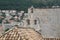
49, 21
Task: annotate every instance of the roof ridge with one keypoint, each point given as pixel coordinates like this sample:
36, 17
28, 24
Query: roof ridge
7, 31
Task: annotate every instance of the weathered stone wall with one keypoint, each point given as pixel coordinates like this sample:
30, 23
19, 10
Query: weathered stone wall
49, 21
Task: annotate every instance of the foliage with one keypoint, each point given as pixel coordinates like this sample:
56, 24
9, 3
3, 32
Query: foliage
24, 4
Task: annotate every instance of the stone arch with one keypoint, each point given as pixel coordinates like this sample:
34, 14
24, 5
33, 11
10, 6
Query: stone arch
35, 21
28, 22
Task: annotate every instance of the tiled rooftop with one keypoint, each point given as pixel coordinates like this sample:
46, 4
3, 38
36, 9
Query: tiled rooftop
21, 34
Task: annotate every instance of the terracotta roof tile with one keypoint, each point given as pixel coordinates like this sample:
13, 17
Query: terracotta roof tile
21, 34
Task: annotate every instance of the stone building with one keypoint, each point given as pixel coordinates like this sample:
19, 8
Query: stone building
31, 20
45, 21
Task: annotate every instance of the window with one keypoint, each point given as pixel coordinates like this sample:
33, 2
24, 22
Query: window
28, 21
31, 10
35, 22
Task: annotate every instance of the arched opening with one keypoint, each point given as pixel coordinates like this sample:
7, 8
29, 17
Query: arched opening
35, 22
31, 10
28, 21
